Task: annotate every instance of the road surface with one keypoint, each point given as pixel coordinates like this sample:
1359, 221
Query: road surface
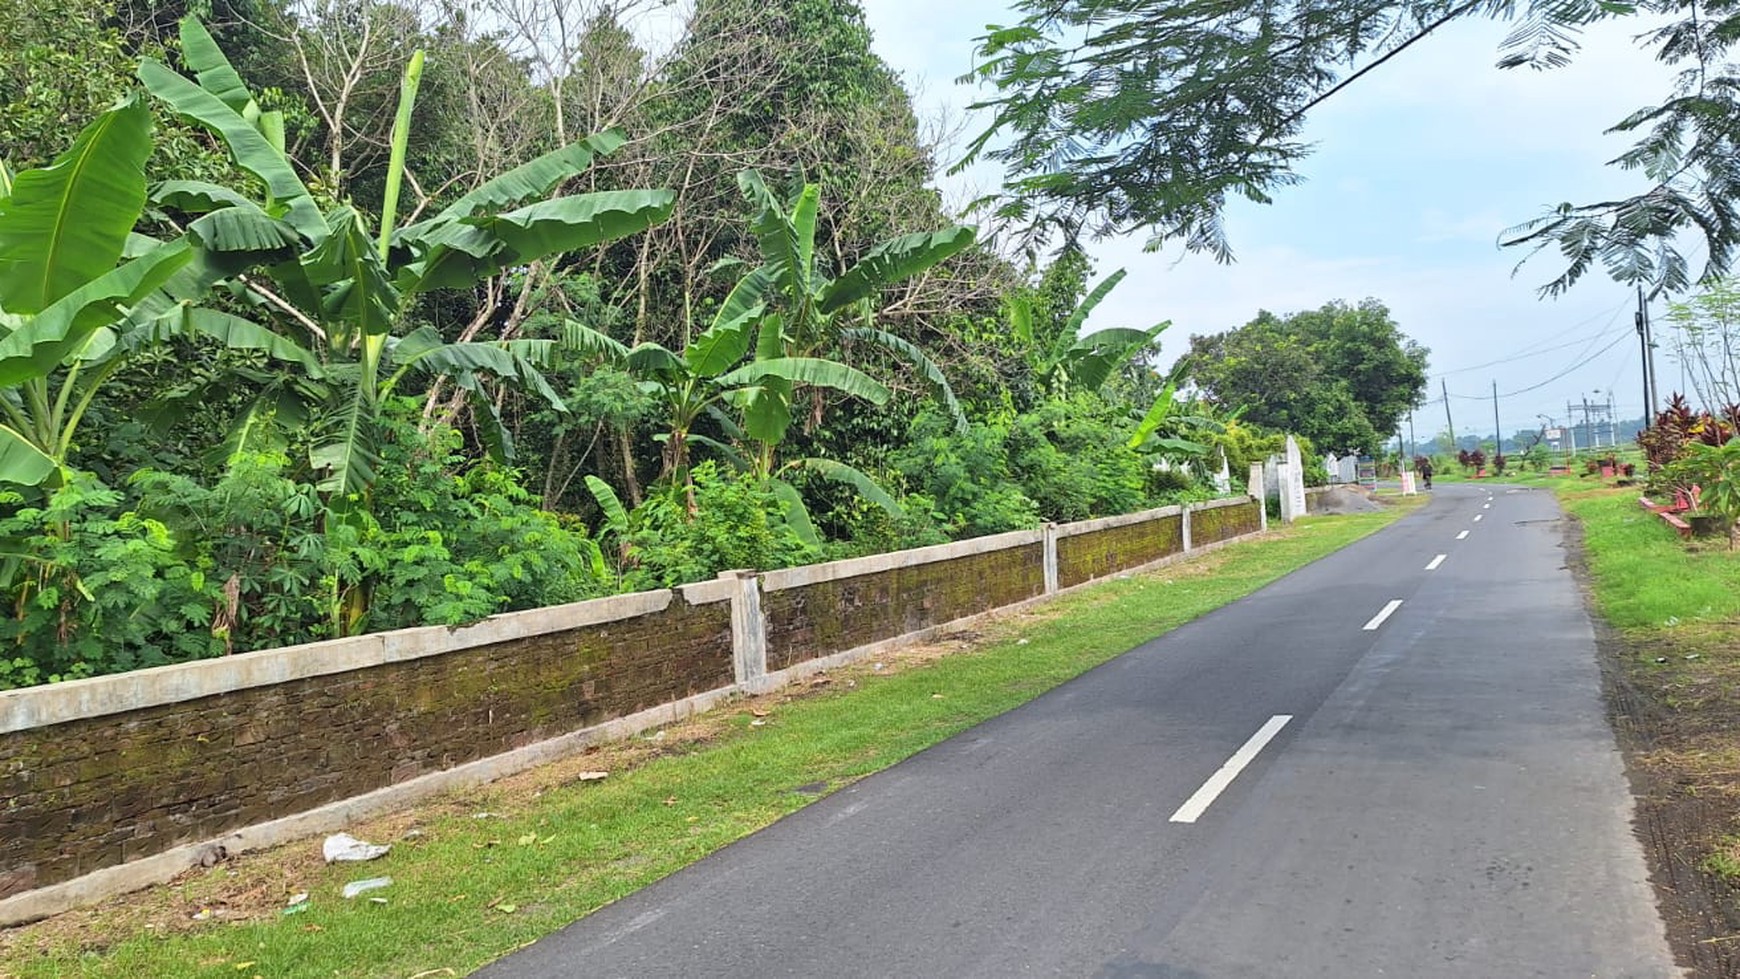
1394, 762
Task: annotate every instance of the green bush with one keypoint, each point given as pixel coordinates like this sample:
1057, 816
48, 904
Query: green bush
737, 523
1070, 458
965, 476
186, 571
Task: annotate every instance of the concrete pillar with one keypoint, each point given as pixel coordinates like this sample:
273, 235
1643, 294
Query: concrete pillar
1184, 522
748, 630
1048, 538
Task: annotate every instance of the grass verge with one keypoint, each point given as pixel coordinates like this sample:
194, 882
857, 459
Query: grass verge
481, 873
1672, 658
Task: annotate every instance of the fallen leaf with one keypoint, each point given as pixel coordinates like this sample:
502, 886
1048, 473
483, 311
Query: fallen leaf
936, 696
528, 839
507, 908
671, 801
244, 965
591, 776
758, 713
757, 723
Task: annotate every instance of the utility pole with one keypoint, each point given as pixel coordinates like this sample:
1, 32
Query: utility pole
1413, 445
1652, 390
1445, 387
1589, 426
1497, 432
1643, 341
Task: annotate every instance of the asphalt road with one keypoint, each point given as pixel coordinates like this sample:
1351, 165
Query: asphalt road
1439, 794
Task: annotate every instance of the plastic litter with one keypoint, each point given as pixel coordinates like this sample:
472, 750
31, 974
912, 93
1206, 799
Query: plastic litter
345, 847
356, 887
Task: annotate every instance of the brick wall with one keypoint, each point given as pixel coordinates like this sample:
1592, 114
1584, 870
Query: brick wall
1098, 553
1224, 522
97, 773
92, 793
817, 619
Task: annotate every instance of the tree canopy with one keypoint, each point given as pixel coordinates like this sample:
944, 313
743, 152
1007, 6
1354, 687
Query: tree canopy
1118, 115
1342, 375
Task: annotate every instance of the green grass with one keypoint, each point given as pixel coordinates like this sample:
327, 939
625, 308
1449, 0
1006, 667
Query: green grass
1647, 581
468, 890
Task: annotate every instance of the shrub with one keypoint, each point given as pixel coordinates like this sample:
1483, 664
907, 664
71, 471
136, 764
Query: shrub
737, 523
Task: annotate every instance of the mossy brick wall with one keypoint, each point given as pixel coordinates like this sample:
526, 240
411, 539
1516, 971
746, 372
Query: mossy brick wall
810, 621
92, 793
1097, 553
1224, 523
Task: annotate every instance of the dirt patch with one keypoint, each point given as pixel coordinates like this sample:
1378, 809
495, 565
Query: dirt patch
1675, 713
1346, 499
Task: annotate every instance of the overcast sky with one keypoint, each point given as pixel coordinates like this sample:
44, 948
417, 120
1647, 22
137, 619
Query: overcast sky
1418, 169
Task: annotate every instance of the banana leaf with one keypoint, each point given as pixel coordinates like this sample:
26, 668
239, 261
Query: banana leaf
893, 261
66, 224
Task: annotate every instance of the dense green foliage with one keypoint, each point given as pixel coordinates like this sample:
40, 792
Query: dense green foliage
1341, 375
345, 317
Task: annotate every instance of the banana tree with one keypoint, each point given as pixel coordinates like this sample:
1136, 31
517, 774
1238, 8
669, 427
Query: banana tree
340, 293
814, 314
707, 377
71, 273
1069, 361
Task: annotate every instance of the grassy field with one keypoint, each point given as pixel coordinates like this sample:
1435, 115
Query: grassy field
477, 875
1674, 692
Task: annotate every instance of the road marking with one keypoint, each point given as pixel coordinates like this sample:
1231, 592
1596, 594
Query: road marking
1462, 536
1477, 517
1197, 804
1486, 506
1436, 561
1388, 610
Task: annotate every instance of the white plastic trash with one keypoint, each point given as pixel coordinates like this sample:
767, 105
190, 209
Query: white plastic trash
356, 887
343, 846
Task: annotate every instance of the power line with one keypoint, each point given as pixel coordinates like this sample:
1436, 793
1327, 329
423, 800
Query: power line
1534, 349
1569, 370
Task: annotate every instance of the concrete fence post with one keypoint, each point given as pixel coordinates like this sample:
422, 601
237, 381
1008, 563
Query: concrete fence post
1184, 522
1048, 537
748, 630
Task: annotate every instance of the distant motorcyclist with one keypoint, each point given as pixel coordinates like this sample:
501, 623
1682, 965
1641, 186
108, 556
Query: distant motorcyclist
1425, 468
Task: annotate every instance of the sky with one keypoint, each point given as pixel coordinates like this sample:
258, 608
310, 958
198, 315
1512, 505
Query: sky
1418, 168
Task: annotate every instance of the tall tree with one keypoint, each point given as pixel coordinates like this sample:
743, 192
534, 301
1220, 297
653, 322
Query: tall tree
1117, 115
1340, 375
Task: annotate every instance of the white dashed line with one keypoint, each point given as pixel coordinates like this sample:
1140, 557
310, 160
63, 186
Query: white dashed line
1436, 561
1388, 610
1198, 803
1477, 518
1462, 536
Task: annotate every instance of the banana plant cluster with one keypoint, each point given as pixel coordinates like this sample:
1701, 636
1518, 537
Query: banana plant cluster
786, 316
80, 289
339, 297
